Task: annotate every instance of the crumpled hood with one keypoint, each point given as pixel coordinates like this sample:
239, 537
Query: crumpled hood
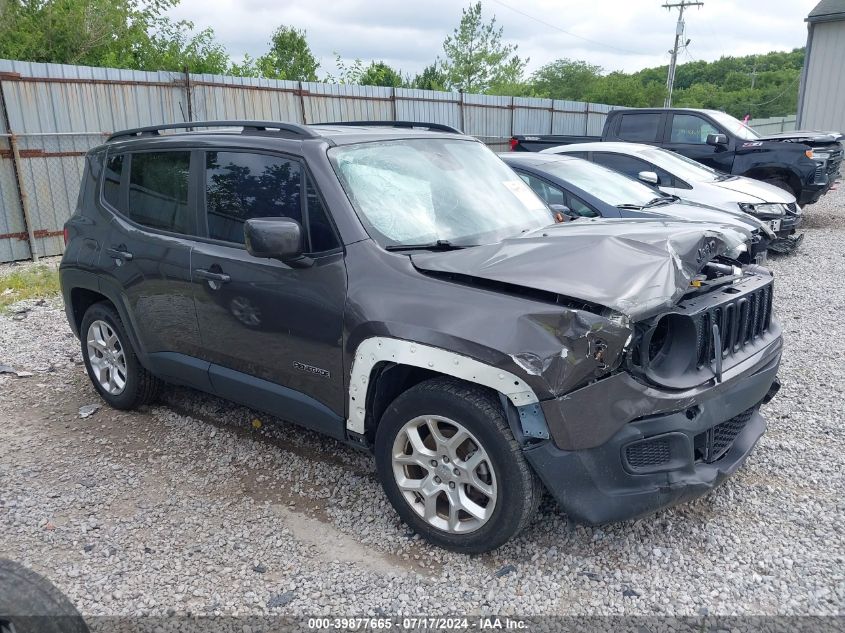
636, 267
750, 188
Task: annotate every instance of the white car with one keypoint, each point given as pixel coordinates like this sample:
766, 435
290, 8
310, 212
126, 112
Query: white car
689, 180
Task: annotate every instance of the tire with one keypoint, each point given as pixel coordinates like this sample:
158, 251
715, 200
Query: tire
508, 494
32, 604
139, 386
781, 184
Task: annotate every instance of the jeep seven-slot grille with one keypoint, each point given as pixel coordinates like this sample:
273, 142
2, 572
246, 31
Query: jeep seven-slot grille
712, 445
738, 322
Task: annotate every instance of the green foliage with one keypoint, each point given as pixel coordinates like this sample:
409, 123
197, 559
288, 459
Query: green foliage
476, 59
138, 34
289, 57
117, 33
566, 79
172, 48
724, 84
433, 77
380, 74
30, 282
348, 73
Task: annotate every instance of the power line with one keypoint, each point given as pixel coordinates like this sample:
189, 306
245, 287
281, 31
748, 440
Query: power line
557, 28
787, 89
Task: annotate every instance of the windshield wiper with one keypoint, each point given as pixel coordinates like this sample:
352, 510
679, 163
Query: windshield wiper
635, 207
439, 245
656, 202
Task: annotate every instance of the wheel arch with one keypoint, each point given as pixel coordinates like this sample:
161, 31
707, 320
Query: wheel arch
385, 367
784, 174
81, 290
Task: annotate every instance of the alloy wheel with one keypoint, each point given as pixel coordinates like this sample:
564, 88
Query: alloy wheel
107, 357
444, 474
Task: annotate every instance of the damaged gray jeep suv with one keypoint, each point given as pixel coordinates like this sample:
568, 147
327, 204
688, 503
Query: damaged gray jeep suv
397, 287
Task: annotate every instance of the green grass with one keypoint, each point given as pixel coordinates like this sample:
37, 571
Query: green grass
30, 283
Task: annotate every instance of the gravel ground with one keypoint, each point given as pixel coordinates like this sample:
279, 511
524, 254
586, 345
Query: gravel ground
187, 507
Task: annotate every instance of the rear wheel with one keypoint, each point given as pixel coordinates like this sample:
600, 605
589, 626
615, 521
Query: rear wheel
450, 466
111, 362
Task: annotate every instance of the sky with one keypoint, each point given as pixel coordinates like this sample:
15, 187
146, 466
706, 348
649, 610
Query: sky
614, 34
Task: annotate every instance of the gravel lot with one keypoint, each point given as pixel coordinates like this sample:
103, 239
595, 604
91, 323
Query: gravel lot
187, 507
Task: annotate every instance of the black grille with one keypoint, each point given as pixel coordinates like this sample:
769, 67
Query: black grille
738, 323
648, 453
712, 445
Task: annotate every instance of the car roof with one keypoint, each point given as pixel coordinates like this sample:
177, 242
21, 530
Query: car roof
604, 146
533, 157
336, 133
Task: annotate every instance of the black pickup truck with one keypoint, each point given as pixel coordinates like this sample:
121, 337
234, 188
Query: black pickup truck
805, 163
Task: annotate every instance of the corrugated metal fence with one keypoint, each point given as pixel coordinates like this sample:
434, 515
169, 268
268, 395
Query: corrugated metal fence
51, 114
774, 125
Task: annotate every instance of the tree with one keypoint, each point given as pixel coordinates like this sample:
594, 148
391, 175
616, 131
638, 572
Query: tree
566, 79
348, 73
118, 33
476, 58
380, 74
289, 57
172, 48
433, 77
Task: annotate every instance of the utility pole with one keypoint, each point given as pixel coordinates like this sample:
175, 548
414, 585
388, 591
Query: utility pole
679, 33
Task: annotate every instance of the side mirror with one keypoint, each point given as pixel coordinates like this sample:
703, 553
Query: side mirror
649, 177
562, 212
717, 139
274, 238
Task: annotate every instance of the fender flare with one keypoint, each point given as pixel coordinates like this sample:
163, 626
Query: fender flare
379, 349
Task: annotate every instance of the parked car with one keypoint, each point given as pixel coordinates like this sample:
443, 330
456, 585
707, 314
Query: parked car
578, 188
677, 175
423, 305
806, 164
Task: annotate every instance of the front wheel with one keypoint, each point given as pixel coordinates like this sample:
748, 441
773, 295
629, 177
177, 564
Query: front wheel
451, 468
780, 183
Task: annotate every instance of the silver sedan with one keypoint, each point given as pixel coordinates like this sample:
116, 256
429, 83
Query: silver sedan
689, 180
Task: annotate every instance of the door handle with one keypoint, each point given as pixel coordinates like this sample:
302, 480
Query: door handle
117, 253
208, 275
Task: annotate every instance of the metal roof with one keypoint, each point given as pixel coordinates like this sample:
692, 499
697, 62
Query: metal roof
827, 10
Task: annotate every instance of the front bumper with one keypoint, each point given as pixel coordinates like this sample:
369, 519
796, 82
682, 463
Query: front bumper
603, 483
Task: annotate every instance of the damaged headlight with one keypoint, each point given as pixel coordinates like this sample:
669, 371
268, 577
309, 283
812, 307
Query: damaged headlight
739, 250
767, 208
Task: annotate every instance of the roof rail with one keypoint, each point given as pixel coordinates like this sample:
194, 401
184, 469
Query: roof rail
248, 126
440, 127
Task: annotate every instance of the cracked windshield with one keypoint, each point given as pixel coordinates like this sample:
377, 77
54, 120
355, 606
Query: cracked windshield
425, 191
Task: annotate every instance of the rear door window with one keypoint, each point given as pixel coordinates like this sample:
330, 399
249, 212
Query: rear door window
640, 127
158, 190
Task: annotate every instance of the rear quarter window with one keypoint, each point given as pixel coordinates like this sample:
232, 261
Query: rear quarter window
112, 175
640, 127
